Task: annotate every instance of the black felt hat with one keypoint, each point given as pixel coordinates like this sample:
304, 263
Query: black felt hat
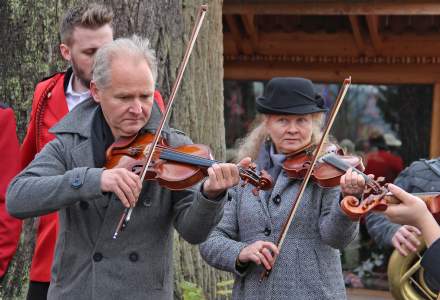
290, 96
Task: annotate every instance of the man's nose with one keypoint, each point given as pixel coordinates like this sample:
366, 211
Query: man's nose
136, 106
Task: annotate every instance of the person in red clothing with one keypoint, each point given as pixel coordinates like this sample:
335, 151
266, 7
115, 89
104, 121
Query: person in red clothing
84, 29
10, 227
381, 162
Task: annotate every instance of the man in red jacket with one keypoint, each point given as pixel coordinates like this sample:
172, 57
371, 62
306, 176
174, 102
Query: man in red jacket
83, 30
9, 161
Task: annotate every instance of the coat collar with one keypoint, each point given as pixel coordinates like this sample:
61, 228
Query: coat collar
80, 120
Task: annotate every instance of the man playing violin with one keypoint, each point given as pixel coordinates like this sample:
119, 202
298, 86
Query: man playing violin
68, 177
244, 243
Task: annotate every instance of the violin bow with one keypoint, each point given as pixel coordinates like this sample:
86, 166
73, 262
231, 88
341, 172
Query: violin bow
149, 150
330, 121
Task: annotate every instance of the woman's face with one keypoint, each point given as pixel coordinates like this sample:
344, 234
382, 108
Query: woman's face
289, 133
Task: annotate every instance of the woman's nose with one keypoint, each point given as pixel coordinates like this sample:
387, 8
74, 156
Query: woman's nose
292, 128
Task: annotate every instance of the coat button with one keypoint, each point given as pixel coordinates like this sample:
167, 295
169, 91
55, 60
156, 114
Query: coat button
76, 184
277, 199
84, 205
267, 231
97, 256
133, 257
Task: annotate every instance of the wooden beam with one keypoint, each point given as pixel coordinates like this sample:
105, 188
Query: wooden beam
333, 72
251, 29
338, 44
373, 28
385, 7
301, 43
434, 149
357, 34
242, 44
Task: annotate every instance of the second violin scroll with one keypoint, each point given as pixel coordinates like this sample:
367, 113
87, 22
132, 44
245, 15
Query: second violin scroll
355, 209
175, 168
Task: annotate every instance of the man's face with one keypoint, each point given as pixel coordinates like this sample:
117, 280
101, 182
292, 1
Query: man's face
81, 51
127, 100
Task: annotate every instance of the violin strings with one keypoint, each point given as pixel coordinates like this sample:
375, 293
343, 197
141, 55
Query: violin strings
183, 155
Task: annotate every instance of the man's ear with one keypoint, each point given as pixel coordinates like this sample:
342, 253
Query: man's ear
95, 92
65, 52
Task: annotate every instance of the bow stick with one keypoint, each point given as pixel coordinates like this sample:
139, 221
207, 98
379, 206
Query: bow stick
149, 150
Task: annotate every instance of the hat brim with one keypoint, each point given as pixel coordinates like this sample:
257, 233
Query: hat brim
291, 110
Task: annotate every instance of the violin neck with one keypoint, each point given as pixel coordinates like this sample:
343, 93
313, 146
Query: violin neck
427, 197
343, 166
187, 159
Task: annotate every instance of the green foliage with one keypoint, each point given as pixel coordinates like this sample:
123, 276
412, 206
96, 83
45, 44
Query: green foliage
191, 291
224, 288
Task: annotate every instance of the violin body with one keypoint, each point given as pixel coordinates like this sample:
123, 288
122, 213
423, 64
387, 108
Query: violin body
324, 174
328, 176
173, 175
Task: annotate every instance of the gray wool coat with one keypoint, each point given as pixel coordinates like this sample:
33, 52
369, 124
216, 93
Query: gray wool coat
308, 266
88, 263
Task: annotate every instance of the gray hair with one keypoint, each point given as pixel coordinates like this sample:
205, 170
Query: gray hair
135, 45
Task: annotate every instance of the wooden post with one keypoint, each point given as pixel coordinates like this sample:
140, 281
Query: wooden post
434, 149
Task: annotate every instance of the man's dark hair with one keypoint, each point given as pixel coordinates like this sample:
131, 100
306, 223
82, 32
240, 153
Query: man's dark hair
91, 16
378, 141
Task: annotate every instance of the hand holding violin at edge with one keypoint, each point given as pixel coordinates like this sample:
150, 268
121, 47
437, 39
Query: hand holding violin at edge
412, 211
222, 176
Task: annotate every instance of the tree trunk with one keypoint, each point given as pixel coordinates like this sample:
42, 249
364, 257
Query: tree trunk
30, 52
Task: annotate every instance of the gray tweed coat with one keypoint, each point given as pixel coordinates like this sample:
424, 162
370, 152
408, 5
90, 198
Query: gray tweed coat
308, 266
88, 263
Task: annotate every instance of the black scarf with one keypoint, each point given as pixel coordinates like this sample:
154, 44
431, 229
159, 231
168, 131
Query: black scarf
102, 138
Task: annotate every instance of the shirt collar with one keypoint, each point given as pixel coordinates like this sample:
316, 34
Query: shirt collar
71, 92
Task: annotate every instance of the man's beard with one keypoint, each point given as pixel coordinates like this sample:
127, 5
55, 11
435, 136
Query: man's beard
80, 74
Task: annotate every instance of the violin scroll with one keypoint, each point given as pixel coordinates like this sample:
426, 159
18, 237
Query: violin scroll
262, 181
355, 209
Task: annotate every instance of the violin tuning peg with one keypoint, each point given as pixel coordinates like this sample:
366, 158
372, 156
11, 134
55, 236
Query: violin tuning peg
255, 191
380, 180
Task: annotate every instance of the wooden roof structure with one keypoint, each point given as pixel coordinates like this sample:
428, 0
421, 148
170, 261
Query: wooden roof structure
376, 42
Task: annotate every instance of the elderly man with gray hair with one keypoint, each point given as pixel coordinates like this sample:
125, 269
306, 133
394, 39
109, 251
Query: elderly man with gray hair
68, 176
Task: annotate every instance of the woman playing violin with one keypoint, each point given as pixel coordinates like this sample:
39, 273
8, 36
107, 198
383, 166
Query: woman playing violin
244, 243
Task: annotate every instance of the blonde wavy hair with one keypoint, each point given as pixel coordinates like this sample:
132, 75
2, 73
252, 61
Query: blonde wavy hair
250, 145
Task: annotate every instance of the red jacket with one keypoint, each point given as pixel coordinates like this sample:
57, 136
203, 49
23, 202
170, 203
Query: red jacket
383, 163
10, 227
48, 107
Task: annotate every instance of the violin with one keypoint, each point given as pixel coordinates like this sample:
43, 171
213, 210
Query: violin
328, 168
355, 209
175, 168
